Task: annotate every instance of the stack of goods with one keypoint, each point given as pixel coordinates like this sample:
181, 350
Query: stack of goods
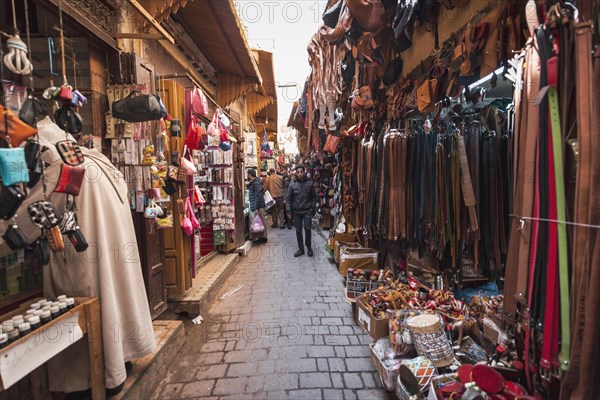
39, 313
359, 281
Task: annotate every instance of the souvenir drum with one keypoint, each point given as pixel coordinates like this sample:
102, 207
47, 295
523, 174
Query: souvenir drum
416, 374
429, 339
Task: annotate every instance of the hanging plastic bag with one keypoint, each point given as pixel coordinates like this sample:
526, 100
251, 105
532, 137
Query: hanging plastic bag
257, 225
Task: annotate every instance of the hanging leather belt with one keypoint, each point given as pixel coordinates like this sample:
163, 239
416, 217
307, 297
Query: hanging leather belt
516, 276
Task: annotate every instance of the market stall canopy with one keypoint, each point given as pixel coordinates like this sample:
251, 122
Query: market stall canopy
267, 117
215, 27
266, 94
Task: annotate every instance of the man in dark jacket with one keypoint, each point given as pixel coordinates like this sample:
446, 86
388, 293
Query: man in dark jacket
300, 200
257, 204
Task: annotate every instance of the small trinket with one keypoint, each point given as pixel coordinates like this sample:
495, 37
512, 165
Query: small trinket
34, 321
55, 312
3, 340
45, 317
24, 329
70, 303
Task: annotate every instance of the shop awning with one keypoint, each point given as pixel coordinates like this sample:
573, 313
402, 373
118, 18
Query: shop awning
215, 27
266, 94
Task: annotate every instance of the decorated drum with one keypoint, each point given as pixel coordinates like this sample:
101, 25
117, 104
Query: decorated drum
416, 374
429, 339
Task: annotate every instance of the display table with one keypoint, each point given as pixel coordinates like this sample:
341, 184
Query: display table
26, 354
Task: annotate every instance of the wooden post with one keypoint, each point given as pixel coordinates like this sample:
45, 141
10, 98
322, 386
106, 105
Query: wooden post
96, 349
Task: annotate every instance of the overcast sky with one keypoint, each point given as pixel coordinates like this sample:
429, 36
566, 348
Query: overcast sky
285, 28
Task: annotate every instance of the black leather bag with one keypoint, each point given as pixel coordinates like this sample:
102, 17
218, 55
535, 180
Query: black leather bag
31, 110
11, 198
137, 108
68, 119
332, 14
79, 242
15, 238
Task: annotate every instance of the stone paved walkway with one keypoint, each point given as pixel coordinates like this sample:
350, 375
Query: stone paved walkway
280, 328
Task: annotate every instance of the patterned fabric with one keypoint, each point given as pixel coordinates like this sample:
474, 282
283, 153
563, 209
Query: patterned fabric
70, 152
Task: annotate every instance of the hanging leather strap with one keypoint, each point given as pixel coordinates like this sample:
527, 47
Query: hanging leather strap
563, 254
583, 76
467, 185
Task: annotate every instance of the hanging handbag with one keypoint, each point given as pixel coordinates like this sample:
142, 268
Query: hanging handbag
18, 132
70, 152
187, 166
78, 240
68, 119
185, 222
15, 238
70, 180
426, 95
13, 167
332, 14
68, 222
166, 222
11, 198
170, 187
31, 110
199, 102
331, 144
137, 108
43, 249
152, 211
55, 239
65, 93
44, 215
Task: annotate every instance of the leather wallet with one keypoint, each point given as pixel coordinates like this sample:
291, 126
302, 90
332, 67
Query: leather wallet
11, 198
15, 238
44, 215
70, 180
70, 152
13, 167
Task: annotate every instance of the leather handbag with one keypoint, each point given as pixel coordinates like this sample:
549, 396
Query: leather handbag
13, 167
137, 108
31, 109
368, 13
43, 214
426, 95
185, 222
43, 249
65, 93
68, 119
78, 240
18, 132
11, 198
331, 144
332, 14
15, 238
403, 25
70, 152
70, 180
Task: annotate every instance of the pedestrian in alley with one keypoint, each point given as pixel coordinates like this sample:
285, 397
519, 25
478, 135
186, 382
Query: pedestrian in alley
274, 184
300, 203
257, 204
286, 184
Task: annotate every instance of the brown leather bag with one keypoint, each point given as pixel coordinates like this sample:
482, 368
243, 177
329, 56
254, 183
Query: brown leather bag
368, 13
343, 25
331, 144
426, 95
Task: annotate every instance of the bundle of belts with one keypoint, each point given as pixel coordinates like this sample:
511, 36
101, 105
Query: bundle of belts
411, 191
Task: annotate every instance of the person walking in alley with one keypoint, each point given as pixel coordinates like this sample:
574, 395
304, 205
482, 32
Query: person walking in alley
257, 204
274, 184
300, 201
286, 184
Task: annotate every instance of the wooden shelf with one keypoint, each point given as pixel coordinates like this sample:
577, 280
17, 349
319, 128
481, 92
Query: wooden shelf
87, 312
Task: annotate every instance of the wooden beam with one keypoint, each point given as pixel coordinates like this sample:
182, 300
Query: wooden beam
149, 36
140, 8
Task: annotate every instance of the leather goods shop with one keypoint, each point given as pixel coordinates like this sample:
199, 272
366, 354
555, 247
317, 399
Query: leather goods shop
462, 137
121, 166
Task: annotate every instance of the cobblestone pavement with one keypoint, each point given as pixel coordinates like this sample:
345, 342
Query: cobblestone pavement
280, 328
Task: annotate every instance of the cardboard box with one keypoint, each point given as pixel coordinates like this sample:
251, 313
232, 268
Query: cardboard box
360, 257
345, 237
337, 246
375, 327
352, 302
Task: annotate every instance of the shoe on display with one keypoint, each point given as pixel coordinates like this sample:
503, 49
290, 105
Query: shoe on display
310, 252
299, 253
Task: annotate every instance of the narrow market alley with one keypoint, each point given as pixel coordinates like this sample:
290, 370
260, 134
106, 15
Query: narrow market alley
279, 327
